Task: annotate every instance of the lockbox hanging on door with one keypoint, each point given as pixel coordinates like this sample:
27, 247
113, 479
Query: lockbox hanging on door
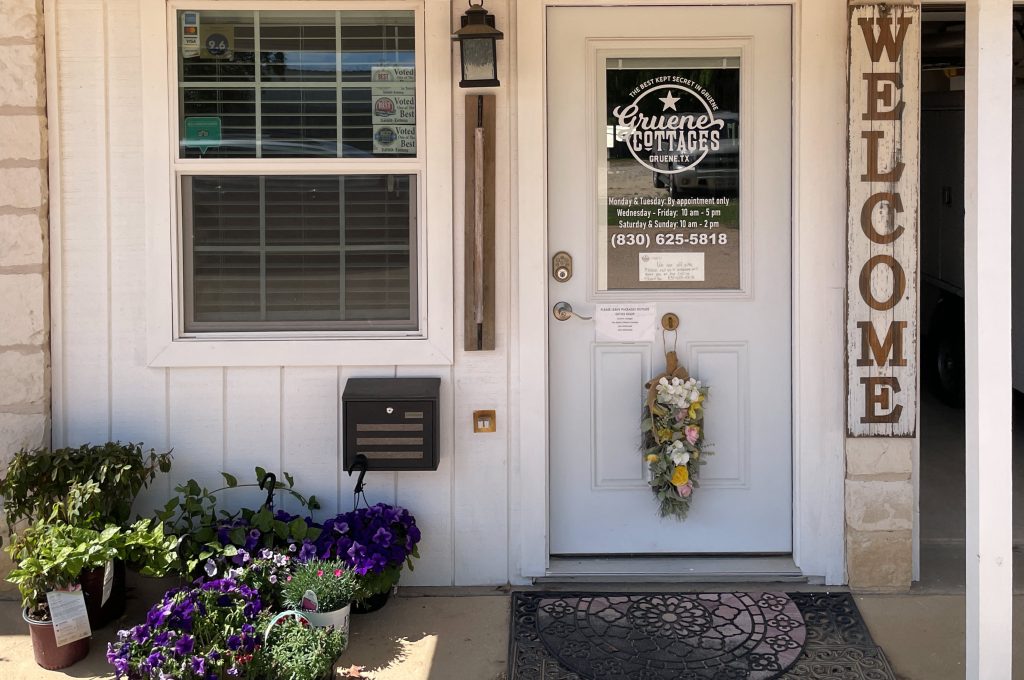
393, 422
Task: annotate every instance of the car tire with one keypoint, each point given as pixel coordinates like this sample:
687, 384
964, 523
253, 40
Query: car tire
944, 354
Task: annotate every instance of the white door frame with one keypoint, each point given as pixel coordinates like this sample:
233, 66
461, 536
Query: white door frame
819, 263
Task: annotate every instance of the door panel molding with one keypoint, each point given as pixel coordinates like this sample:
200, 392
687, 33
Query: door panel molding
617, 460
728, 425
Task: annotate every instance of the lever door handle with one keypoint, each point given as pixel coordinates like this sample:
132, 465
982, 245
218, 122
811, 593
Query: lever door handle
563, 312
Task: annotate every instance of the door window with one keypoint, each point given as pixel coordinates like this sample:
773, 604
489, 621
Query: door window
669, 189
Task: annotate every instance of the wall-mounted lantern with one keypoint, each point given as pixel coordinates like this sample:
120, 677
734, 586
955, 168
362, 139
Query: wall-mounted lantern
476, 41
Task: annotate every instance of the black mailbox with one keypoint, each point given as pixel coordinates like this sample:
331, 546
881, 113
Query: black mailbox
393, 422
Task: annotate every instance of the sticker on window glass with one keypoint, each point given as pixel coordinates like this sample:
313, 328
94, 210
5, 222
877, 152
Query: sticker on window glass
189, 34
399, 139
202, 132
218, 41
392, 74
394, 104
671, 187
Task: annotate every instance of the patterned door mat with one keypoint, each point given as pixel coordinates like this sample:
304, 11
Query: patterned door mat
691, 636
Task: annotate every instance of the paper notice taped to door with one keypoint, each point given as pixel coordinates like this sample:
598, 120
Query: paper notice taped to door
625, 323
671, 266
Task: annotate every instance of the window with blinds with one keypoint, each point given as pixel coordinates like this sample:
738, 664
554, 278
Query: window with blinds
328, 248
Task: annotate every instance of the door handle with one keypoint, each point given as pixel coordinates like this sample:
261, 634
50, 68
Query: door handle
563, 312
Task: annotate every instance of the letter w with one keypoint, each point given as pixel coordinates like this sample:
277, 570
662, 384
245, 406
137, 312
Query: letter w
871, 347
893, 45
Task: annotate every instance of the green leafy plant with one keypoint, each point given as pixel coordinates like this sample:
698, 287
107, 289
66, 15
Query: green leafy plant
208, 532
333, 583
53, 551
37, 480
297, 651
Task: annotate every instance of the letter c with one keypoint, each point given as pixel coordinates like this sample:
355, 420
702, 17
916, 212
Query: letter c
867, 224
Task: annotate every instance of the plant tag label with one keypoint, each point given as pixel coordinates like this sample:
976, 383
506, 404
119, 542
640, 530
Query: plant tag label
108, 581
310, 603
70, 618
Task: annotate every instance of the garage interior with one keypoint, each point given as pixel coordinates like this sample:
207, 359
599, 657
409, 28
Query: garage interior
942, 427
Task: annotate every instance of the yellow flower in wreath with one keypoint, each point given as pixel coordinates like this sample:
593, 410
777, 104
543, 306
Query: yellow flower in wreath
652, 458
664, 434
680, 475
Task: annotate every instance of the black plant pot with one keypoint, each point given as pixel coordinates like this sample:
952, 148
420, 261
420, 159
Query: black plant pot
102, 613
372, 603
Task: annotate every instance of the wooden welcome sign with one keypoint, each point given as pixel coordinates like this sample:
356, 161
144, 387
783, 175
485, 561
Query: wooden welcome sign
882, 219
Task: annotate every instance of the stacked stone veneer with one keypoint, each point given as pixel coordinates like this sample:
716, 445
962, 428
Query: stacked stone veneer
24, 318
879, 513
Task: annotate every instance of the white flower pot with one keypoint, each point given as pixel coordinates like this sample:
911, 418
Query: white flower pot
339, 618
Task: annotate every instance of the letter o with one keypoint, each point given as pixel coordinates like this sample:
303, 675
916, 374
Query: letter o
899, 282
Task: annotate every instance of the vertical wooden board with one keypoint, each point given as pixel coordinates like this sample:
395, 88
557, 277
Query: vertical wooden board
882, 221
138, 393
428, 495
196, 423
84, 247
479, 109
309, 435
480, 472
252, 429
380, 486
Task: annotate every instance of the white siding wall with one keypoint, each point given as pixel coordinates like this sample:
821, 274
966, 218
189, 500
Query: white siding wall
236, 418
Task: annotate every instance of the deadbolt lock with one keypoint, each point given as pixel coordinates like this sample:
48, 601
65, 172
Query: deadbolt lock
561, 266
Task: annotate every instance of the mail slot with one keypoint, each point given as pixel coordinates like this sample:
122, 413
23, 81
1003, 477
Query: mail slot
393, 422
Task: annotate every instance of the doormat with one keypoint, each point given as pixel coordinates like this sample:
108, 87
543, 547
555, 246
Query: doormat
691, 636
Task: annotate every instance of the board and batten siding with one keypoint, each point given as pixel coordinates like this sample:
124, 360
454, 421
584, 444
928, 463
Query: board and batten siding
234, 418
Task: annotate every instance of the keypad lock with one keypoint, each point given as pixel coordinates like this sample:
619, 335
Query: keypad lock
561, 266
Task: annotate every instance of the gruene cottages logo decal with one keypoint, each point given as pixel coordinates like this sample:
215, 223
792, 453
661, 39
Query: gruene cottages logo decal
664, 130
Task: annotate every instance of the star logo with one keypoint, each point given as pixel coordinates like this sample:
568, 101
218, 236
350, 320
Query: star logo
669, 101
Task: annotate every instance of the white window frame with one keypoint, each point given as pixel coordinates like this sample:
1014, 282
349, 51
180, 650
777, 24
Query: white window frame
167, 344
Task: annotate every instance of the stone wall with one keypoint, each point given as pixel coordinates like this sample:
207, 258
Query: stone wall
879, 513
24, 297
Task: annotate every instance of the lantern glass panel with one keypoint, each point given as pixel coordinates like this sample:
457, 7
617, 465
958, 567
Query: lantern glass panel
478, 59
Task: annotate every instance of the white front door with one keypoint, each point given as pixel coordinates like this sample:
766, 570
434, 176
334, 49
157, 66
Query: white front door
669, 160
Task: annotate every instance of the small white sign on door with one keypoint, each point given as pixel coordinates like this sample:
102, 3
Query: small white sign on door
671, 266
625, 323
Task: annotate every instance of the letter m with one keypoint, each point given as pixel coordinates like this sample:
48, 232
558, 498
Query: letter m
892, 44
872, 348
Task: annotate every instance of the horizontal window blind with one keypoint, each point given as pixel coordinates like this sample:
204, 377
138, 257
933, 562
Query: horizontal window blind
300, 250
318, 246
311, 91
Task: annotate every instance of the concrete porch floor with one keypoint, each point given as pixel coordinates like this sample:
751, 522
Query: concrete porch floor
462, 633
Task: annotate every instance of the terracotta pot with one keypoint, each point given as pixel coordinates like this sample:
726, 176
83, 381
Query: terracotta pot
102, 613
372, 603
44, 646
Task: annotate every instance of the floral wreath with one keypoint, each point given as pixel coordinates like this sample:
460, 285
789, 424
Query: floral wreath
673, 436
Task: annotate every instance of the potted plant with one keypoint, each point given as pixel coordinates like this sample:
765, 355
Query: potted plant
375, 542
295, 650
207, 631
37, 480
55, 552
210, 532
323, 590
